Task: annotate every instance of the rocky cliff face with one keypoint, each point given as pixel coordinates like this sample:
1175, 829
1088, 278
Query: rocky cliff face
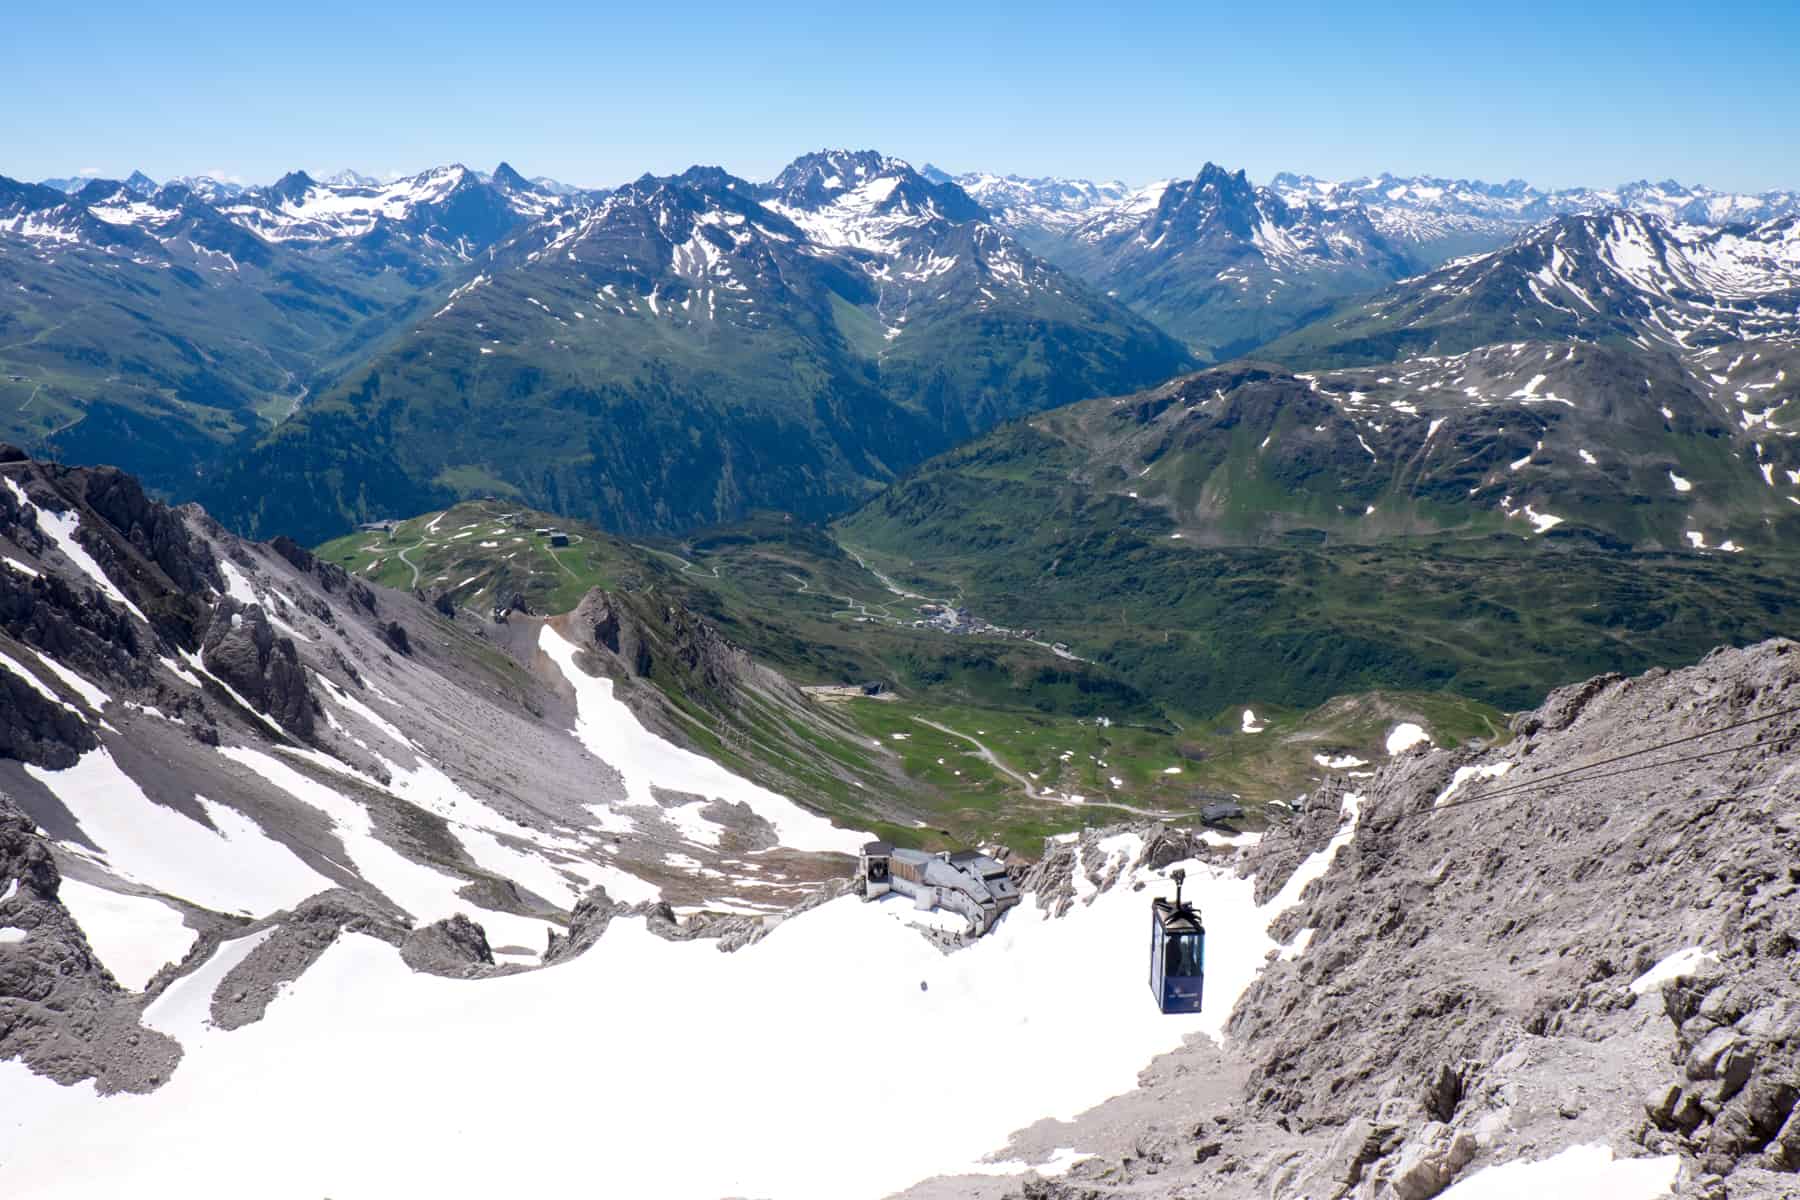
1482, 955
219, 740
1588, 935
61, 1011
242, 650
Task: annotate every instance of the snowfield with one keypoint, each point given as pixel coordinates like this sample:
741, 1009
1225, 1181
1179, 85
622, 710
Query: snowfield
1680, 965
610, 731
238, 868
412, 1084
1578, 1173
133, 935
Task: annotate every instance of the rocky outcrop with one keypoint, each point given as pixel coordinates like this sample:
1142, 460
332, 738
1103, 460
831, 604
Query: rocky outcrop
455, 946
154, 530
297, 940
606, 625
647, 635
1469, 957
1053, 877
1730, 1097
244, 651
1285, 846
732, 931
298, 556
37, 730
394, 633
61, 1011
592, 914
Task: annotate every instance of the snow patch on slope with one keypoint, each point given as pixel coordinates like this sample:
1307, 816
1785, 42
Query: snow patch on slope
238, 869
1578, 1173
612, 733
133, 935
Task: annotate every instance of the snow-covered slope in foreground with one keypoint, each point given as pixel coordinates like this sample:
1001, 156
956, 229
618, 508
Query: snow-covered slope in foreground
842, 1055
1578, 1173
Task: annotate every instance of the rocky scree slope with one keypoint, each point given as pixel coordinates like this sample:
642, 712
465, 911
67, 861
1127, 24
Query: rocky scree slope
1607, 954
203, 738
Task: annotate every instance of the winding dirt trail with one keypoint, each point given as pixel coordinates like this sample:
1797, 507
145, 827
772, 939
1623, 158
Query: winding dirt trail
410, 564
992, 760
1031, 790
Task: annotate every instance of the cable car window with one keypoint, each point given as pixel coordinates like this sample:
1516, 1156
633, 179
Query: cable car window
1183, 956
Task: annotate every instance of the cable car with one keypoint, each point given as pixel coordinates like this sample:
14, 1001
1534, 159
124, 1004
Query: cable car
1177, 953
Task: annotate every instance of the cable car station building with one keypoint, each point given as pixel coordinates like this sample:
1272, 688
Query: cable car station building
969, 883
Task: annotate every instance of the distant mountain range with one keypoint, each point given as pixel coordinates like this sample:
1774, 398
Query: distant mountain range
158, 329
1607, 372
675, 352
686, 348
1228, 265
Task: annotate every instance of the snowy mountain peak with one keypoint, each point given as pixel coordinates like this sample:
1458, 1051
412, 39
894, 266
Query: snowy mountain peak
1211, 174
555, 187
1688, 290
1213, 194
207, 188
833, 172
867, 181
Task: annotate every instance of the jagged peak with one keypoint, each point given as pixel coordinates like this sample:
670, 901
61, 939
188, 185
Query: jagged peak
505, 176
1213, 173
292, 186
823, 177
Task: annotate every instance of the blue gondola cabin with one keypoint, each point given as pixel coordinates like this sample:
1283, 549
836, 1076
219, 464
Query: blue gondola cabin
1177, 953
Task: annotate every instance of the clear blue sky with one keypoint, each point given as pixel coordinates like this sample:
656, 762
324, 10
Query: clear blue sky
594, 93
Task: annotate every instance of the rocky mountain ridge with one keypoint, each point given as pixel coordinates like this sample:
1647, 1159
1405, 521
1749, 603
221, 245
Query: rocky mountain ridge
208, 730
1226, 264
1618, 275
1455, 1023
